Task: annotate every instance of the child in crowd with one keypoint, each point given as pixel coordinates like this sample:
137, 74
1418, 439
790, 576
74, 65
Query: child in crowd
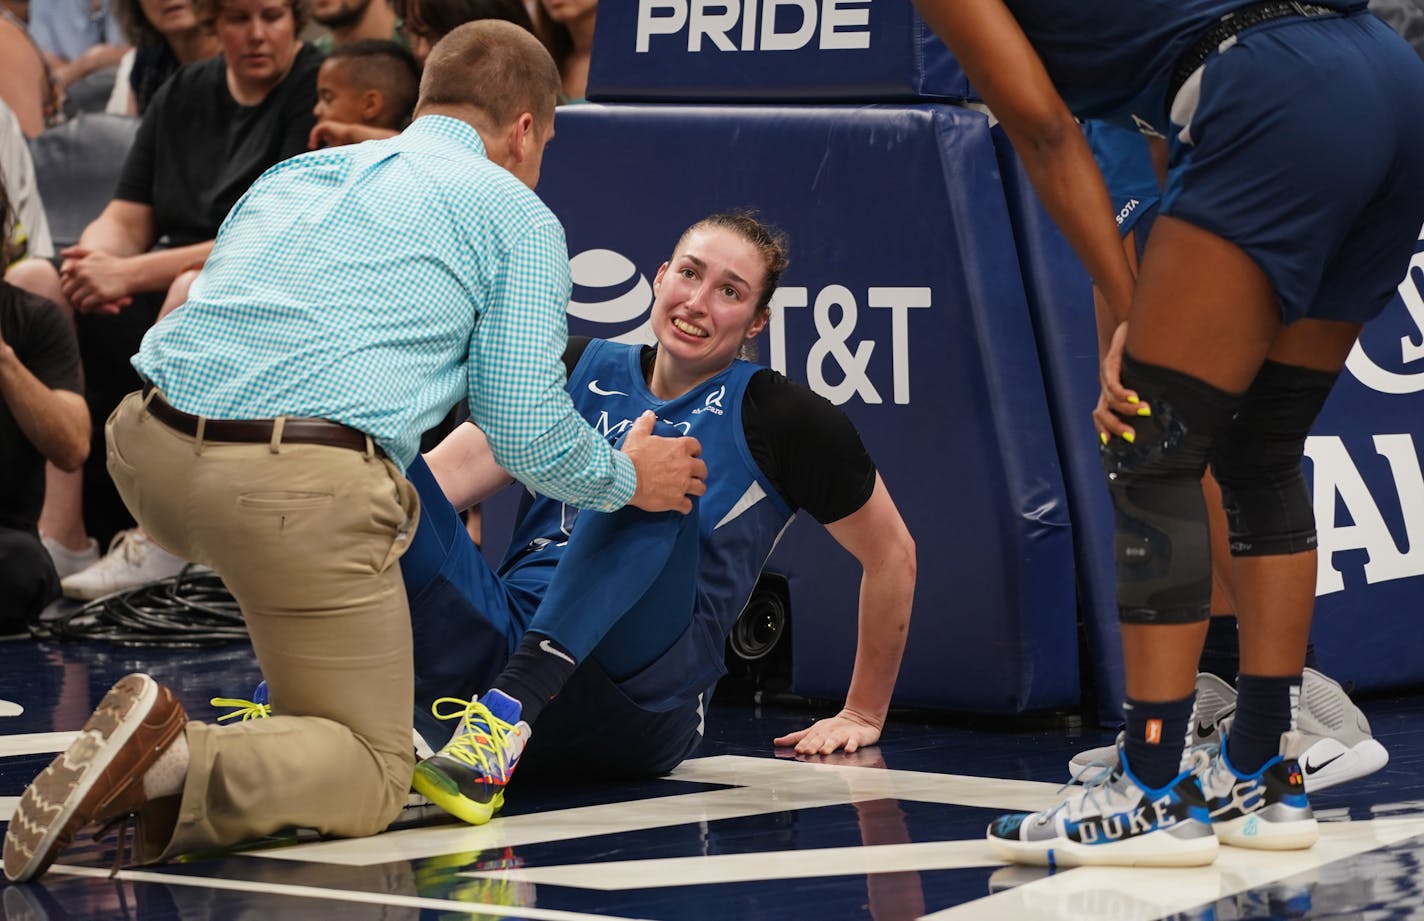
368, 83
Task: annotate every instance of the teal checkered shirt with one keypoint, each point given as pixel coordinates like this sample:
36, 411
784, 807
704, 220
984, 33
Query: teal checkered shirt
376, 284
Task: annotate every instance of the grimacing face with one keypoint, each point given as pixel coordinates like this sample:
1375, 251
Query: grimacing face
706, 295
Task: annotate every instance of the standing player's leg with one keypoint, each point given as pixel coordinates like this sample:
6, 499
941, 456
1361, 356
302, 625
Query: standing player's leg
1202, 322
1195, 342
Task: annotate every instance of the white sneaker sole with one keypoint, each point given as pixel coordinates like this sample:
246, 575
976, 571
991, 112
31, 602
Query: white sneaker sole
1155, 849
1341, 764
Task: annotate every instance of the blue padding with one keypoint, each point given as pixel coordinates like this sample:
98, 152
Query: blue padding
888, 208
815, 50
1060, 298
1364, 467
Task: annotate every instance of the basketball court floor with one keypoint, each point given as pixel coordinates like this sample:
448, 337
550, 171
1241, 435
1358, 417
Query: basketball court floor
893, 832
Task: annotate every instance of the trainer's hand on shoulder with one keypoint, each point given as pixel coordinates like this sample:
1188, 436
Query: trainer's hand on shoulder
846, 730
670, 470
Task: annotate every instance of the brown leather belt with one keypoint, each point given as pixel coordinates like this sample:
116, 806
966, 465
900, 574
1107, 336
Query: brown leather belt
257, 431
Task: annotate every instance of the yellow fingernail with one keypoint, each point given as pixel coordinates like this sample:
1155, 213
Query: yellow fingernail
1103, 436
1133, 399
1144, 410
1129, 437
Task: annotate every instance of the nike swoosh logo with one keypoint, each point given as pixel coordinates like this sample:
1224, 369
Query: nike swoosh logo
548, 647
593, 387
1313, 768
1205, 730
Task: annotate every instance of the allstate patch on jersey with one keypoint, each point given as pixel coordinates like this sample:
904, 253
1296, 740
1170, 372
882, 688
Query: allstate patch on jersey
713, 402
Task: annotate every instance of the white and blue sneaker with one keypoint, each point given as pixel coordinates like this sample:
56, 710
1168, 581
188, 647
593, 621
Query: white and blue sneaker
1215, 702
1338, 744
1114, 820
1264, 810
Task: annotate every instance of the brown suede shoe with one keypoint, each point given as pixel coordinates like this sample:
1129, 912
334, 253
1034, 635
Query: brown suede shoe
99, 777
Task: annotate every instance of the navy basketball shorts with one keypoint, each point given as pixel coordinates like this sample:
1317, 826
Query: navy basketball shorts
1126, 164
1302, 144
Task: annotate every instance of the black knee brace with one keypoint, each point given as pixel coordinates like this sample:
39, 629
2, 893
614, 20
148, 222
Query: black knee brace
1257, 461
1161, 538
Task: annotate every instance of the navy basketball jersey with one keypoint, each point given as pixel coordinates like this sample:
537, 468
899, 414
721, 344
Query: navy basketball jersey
739, 518
1113, 59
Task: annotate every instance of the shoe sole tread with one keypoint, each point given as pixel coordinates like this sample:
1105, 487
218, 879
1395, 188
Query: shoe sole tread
68, 793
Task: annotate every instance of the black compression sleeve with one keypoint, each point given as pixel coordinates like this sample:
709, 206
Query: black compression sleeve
807, 447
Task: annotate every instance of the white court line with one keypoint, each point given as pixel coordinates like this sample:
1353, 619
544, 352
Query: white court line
775, 786
875, 783
745, 868
482, 909
555, 825
35, 743
1145, 894
7, 806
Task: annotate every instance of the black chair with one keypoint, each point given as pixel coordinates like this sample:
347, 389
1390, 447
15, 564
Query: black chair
77, 165
90, 93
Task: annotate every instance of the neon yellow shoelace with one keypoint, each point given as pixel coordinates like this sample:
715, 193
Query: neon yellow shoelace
246, 709
482, 747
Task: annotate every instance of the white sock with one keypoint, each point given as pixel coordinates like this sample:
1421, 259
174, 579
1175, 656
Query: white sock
166, 776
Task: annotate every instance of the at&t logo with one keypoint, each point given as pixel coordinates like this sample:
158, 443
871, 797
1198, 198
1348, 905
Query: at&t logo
619, 294
611, 292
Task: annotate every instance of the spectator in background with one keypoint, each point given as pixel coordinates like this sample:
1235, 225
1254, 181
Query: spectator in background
77, 37
208, 133
28, 235
370, 82
355, 20
27, 85
42, 418
165, 35
424, 22
566, 26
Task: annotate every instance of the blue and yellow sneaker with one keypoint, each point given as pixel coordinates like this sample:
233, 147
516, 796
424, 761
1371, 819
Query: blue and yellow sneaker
1267, 809
467, 777
1113, 820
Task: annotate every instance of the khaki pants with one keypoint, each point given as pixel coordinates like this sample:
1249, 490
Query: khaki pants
307, 538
